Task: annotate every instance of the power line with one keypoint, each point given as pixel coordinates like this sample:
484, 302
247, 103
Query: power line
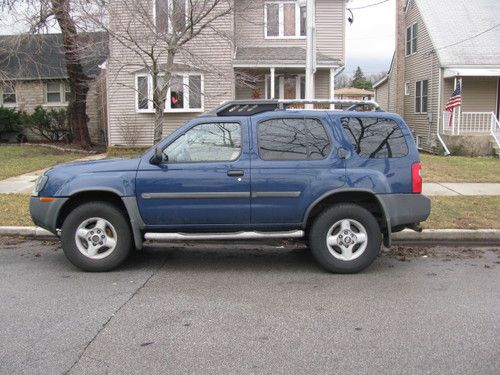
470, 38
371, 5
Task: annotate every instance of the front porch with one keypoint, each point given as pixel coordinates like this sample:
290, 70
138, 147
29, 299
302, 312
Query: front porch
279, 73
478, 115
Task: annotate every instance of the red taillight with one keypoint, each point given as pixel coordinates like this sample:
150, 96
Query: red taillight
416, 178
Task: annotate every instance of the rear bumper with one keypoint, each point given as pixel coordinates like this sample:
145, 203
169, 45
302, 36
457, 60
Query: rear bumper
405, 209
44, 214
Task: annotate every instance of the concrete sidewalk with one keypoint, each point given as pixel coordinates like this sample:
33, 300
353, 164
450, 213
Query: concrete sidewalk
456, 189
26, 182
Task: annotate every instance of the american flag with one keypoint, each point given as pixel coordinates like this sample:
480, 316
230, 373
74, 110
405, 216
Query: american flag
456, 98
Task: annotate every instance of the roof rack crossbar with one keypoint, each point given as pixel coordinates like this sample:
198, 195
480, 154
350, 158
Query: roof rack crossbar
255, 106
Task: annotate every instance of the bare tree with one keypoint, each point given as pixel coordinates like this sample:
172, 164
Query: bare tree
41, 15
156, 40
342, 80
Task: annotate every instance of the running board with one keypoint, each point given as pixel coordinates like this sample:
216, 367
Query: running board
222, 236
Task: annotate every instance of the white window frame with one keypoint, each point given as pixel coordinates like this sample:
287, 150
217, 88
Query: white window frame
421, 96
62, 92
281, 24
8, 105
281, 85
407, 88
413, 38
170, 6
168, 109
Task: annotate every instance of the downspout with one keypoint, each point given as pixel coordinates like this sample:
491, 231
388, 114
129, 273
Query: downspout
446, 151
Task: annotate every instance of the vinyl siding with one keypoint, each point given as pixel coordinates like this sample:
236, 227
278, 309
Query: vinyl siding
382, 95
209, 52
330, 18
423, 65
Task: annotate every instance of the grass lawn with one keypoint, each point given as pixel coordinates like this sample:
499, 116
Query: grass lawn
460, 169
16, 160
447, 212
126, 152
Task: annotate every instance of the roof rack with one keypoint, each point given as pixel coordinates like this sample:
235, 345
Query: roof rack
253, 107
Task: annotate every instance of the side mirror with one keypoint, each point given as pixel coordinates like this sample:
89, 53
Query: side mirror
157, 157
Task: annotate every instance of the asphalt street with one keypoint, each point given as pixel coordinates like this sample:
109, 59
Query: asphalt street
247, 309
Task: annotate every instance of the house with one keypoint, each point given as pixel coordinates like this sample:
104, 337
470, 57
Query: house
33, 73
256, 51
353, 93
441, 44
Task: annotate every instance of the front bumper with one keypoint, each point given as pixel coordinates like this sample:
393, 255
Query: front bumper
405, 209
45, 214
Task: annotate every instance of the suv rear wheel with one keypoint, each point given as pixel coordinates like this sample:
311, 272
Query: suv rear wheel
345, 238
96, 237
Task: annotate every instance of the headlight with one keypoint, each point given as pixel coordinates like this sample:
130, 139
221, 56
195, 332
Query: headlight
39, 185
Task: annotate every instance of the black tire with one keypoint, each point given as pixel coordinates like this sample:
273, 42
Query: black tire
109, 213
320, 230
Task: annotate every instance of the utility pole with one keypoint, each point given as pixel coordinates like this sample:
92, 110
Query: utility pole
310, 48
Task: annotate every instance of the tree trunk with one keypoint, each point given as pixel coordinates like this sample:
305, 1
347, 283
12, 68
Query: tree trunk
78, 80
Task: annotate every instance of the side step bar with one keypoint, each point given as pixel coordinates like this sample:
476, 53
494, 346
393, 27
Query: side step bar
222, 236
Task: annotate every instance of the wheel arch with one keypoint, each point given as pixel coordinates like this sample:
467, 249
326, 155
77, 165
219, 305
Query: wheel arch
128, 205
364, 198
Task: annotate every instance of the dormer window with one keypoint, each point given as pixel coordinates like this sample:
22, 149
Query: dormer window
284, 19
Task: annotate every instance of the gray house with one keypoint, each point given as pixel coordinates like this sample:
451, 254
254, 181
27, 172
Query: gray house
440, 44
33, 73
262, 55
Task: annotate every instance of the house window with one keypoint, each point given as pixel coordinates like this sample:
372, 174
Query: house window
171, 15
407, 88
9, 95
185, 93
411, 39
57, 93
421, 96
286, 87
284, 19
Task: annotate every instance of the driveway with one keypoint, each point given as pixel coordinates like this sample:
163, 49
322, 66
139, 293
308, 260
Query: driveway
222, 309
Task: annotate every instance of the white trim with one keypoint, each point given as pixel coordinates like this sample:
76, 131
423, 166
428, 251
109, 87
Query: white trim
281, 16
281, 85
332, 88
284, 65
421, 97
8, 105
412, 37
62, 94
407, 88
185, 82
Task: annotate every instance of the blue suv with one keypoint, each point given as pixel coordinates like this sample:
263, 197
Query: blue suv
341, 180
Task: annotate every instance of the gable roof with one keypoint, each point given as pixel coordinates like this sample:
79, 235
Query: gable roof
464, 32
41, 56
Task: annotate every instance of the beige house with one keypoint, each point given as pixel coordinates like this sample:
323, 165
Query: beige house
440, 44
353, 93
257, 51
33, 73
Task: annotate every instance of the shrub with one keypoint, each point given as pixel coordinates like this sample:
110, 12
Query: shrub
11, 120
51, 124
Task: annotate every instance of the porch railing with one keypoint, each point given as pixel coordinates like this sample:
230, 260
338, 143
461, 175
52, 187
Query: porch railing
471, 123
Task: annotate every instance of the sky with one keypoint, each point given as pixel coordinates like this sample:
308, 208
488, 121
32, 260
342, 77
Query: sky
370, 40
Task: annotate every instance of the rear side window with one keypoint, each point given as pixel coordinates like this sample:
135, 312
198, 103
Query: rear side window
293, 139
375, 138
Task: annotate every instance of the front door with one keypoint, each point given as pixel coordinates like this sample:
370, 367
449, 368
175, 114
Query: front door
204, 180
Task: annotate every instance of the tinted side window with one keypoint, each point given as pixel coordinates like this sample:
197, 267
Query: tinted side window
375, 137
293, 139
206, 143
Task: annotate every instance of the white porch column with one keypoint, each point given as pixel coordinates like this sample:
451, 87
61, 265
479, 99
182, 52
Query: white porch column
332, 87
273, 82
310, 50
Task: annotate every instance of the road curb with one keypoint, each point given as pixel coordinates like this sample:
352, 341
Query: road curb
428, 235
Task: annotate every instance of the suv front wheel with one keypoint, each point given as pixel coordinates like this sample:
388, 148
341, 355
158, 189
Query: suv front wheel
345, 238
96, 237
